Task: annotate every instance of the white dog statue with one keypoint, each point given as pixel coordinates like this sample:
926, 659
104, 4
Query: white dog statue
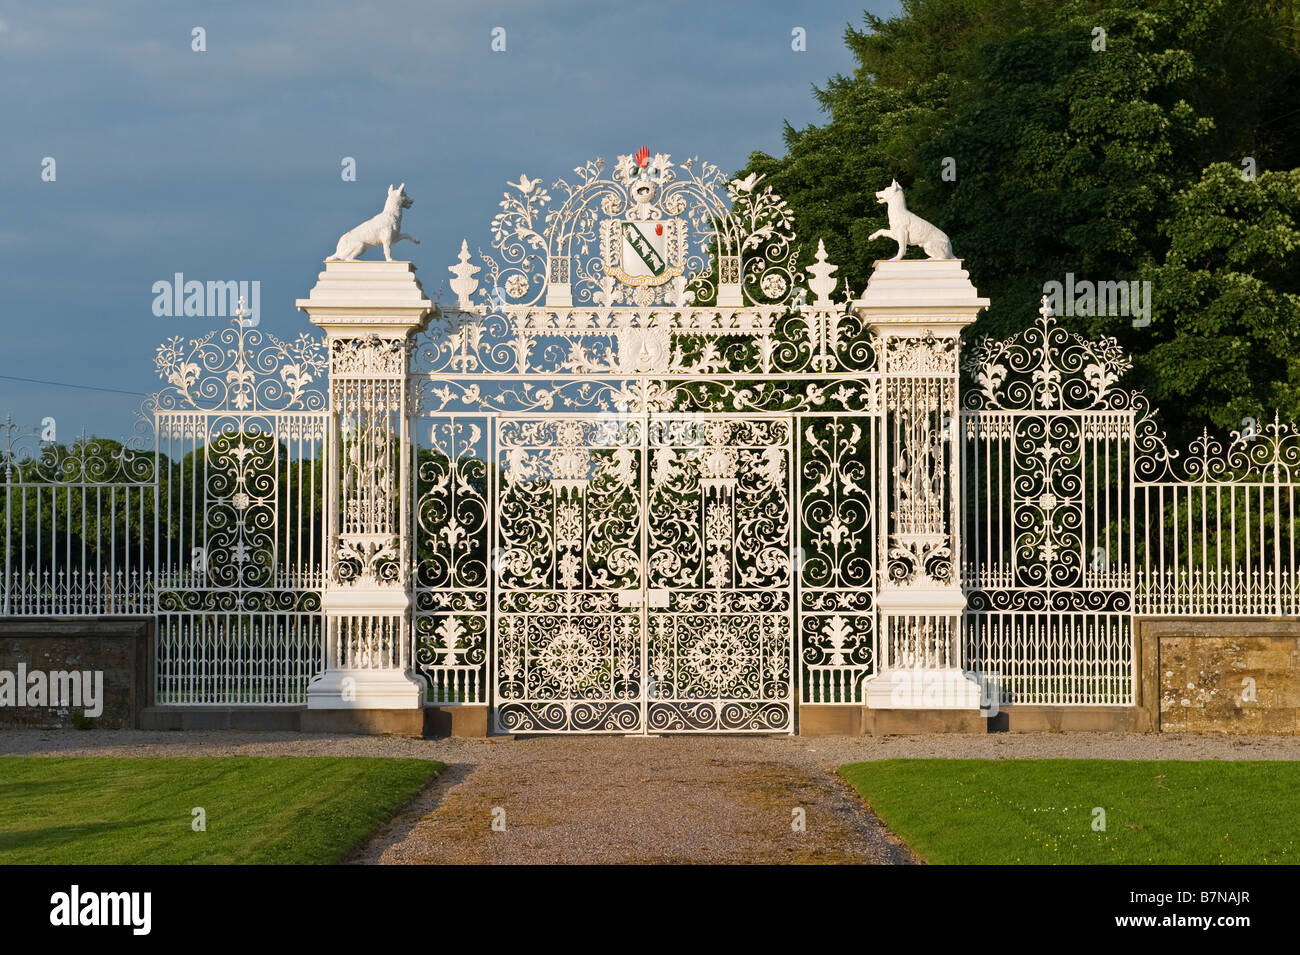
383, 230
906, 228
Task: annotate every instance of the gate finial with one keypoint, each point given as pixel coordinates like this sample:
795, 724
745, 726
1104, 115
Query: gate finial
464, 284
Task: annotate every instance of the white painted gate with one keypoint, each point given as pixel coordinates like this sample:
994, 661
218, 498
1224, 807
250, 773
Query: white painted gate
643, 570
645, 464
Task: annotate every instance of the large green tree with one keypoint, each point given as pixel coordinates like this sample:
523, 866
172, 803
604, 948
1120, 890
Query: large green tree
1084, 137
1226, 293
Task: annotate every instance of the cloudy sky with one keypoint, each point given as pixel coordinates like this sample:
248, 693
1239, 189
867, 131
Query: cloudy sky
225, 164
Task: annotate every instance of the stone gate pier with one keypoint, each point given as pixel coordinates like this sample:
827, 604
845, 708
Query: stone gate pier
918, 309
369, 312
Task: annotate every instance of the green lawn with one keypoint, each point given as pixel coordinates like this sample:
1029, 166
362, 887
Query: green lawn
259, 810
1040, 811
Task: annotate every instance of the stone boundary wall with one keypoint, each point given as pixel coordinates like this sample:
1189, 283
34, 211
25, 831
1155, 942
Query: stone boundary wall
119, 648
1230, 675
1237, 675
1196, 675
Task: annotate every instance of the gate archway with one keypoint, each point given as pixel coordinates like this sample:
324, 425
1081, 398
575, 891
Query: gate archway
645, 463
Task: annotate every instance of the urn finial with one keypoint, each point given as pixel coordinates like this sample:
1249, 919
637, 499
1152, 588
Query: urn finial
464, 284
822, 284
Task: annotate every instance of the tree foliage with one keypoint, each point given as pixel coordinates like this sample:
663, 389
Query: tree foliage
1094, 137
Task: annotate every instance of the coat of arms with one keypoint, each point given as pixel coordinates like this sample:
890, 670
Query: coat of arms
646, 248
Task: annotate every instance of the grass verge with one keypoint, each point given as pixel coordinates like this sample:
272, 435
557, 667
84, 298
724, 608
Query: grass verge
257, 810
1037, 811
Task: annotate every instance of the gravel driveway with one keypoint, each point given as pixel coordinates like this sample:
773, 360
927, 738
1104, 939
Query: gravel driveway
705, 799
638, 800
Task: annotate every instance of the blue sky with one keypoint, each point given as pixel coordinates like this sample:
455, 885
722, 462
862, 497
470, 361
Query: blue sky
225, 164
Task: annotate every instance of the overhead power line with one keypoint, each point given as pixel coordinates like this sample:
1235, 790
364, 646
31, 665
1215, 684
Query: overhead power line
68, 384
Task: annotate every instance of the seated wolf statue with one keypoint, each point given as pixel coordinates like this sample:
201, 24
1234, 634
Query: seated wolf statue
907, 228
383, 229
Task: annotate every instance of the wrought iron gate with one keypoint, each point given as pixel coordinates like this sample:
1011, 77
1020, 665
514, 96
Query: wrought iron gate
643, 574
241, 441
645, 465
1052, 451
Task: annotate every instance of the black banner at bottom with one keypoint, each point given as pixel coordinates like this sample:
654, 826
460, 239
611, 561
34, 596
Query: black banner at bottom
343, 905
